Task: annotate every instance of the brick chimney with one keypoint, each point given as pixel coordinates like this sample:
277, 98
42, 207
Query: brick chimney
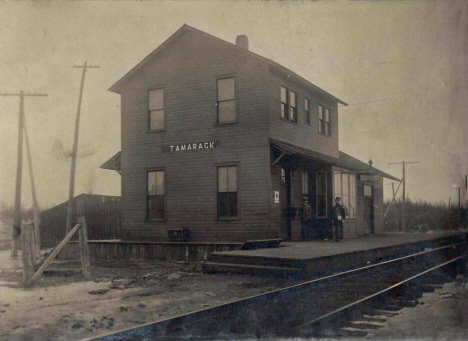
243, 42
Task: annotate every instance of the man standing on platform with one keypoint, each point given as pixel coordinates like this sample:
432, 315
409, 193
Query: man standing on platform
305, 215
339, 215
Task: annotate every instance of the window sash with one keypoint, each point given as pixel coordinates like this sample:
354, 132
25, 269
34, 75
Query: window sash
292, 106
226, 100
156, 117
156, 200
320, 114
227, 191
284, 102
307, 110
156, 99
226, 89
345, 188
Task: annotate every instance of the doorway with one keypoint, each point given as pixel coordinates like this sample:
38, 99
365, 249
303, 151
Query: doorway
286, 209
369, 207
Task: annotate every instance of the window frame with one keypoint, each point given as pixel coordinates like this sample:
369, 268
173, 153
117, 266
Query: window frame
286, 111
292, 112
352, 192
216, 201
317, 194
307, 111
324, 127
236, 113
151, 170
148, 110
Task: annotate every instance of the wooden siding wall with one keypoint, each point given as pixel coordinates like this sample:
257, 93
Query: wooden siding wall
102, 214
187, 71
300, 133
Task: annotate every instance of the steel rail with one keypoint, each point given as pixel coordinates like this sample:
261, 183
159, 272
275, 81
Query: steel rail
362, 300
201, 314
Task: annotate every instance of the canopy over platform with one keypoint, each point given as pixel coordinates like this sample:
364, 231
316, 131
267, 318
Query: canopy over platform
344, 161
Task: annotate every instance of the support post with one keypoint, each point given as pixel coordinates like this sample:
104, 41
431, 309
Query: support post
19, 173
28, 254
84, 249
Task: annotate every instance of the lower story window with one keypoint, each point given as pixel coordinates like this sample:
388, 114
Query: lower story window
321, 194
156, 201
227, 192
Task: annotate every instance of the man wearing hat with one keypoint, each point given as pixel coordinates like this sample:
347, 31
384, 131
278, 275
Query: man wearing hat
339, 215
305, 214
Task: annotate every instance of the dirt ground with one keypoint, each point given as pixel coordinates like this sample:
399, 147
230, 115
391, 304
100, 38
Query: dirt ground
119, 295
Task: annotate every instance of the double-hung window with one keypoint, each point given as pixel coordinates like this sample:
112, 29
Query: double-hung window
344, 185
156, 201
156, 116
306, 111
284, 102
292, 106
324, 116
288, 104
226, 100
227, 192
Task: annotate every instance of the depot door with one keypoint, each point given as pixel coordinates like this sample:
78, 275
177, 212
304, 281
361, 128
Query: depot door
369, 208
286, 203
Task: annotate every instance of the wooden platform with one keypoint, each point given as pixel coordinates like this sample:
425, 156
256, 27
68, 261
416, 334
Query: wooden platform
316, 258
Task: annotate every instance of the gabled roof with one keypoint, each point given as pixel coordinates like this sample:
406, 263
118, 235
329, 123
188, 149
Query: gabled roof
117, 86
343, 161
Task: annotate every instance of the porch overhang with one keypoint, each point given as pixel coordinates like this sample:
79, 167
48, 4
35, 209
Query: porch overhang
343, 161
114, 163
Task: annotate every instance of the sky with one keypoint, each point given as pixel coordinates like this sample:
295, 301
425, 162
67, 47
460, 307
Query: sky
401, 65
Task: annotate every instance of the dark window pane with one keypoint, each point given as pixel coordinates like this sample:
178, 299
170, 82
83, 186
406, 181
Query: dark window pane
222, 179
156, 207
156, 99
321, 205
226, 90
227, 111
233, 204
157, 119
223, 204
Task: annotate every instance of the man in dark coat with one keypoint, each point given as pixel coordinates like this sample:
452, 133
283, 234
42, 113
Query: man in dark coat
339, 215
305, 213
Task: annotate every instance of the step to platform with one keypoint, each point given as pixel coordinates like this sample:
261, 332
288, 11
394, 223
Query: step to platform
285, 272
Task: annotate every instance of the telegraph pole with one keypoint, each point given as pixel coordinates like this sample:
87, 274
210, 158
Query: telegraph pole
75, 146
403, 209
16, 228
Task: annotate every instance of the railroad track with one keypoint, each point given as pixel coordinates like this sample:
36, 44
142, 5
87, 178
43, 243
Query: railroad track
350, 303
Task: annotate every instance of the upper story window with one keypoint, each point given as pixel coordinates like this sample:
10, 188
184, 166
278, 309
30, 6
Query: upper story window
292, 106
324, 120
156, 199
156, 110
284, 102
226, 100
306, 111
288, 104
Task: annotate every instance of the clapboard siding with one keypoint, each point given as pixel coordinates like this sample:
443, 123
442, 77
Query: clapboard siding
187, 71
300, 133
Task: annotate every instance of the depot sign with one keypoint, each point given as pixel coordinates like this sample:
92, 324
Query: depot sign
186, 147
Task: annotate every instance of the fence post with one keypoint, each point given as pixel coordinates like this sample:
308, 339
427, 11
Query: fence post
28, 253
84, 250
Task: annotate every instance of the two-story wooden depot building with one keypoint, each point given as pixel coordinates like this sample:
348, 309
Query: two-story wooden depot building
225, 143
